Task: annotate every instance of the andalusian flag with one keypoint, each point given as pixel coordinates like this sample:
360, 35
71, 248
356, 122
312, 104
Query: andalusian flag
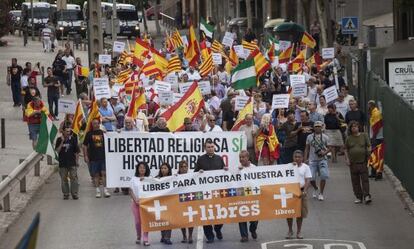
47, 135
375, 122
376, 159
308, 40
187, 107
244, 75
30, 237
206, 28
192, 51
78, 118
247, 109
271, 141
260, 62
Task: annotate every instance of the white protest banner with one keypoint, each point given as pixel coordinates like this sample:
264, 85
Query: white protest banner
283, 45
297, 79
218, 197
239, 50
101, 88
177, 97
124, 150
205, 87
328, 53
228, 39
171, 78
240, 102
280, 101
66, 106
118, 47
185, 40
184, 86
299, 90
161, 86
217, 59
166, 98
331, 94
104, 59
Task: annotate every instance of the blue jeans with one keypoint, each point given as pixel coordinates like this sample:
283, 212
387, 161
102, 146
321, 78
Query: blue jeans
53, 100
321, 167
69, 80
16, 92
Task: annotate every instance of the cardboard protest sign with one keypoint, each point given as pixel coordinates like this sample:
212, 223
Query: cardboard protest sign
297, 79
218, 196
280, 101
331, 94
217, 58
101, 88
104, 59
166, 98
228, 39
328, 53
161, 86
118, 47
240, 102
66, 106
205, 87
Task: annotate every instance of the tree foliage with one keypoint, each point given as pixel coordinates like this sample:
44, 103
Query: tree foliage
4, 17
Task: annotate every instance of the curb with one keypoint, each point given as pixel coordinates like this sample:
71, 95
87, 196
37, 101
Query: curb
401, 191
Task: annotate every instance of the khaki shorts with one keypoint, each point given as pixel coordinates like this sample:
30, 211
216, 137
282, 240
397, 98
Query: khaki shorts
304, 209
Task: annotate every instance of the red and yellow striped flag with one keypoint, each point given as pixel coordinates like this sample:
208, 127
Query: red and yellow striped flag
174, 64
249, 45
308, 40
188, 107
206, 66
151, 68
93, 114
247, 109
124, 75
176, 39
216, 47
233, 58
78, 118
375, 121
138, 99
285, 56
192, 51
376, 159
260, 62
271, 141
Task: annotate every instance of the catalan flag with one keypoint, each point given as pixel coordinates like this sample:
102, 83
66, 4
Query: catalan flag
375, 121
78, 118
138, 99
260, 62
308, 40
174, 64
285, 56
249, 45
188, 107
30, 237
247, 109
270, 140
216, 47
151, 68
271, 52
206, 66
124, 75
93, 114
176, 39
125, 58
376, 159
192, 51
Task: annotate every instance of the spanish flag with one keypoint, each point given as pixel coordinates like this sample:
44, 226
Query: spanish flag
205, 51
308, 40
93, 114
233, 58
30, 237
271, 52
285, 56
192, 52
188, 107
138, 99
260, 62
270, 140
174, 64
151, 68
375, 121
296, 64
376, 159
78, 118
247, 109
82, 71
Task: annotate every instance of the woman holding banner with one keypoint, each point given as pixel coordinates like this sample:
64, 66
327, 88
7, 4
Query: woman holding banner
141, 170
183, 169
165, 170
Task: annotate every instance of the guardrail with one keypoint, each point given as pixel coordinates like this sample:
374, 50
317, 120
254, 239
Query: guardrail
18, 175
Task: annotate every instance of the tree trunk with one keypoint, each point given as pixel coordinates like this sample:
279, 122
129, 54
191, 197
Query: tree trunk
157, 22
249, 15
329, 26
321, 14
144, 18
306, 6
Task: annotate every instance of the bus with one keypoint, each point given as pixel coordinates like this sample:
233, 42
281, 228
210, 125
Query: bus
68, 21
127, 17
41, 14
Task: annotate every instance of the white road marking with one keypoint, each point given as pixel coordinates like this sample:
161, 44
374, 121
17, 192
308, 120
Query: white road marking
200, 237
360, 244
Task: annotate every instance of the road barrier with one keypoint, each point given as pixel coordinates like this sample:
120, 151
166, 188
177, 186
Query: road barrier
18, 175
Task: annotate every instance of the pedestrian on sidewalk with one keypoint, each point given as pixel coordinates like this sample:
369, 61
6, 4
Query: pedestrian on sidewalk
46, 38
305, 175
141, 171
33, 114
70, 64
357, 152
245, 164
68, 150
94, 153
14, 74
53, 85
316, 154
165, 170
59, 70
81, 81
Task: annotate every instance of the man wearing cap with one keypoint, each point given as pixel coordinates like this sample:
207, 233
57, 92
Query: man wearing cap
315, 152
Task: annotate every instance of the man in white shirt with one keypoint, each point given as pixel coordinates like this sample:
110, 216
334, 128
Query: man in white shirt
246, 164
224, 77
70, 64
305, 175
347, 97
46, 37
251, 131
341, 105
211, 124
193, 74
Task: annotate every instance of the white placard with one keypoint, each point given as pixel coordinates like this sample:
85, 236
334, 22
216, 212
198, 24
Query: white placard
118, 47
174, 87
275, 61
67, 106
241, 102
239, 50
161, 86
184, 86
208, 44
101, 88
166, 98
228, 39
297, 79
401, 78
104, 59
300, 90
171, 78
283, 45
328, 53
177, 97
331, 94
280, 101
185, 40
205, 87
217, 59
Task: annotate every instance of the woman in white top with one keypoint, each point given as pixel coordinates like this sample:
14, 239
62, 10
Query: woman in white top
322, 107
141, 170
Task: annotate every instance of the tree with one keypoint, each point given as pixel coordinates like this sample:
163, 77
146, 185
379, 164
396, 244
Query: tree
321, 17
249, 15
4, 17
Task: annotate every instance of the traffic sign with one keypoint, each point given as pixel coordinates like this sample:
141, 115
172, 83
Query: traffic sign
350, 25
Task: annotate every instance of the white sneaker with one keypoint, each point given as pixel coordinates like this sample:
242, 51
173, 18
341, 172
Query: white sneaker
98, 193
320, 197
315, 193
106, 193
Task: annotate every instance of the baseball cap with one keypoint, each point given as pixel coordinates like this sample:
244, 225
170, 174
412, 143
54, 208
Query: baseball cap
318, 124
